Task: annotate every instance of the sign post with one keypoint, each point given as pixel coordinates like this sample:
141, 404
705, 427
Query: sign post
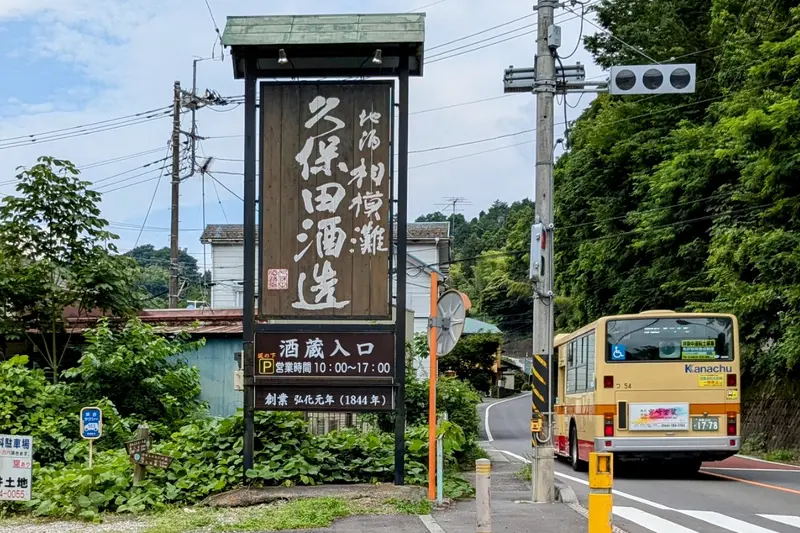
139, 451
16, 463
91, 427
326, 225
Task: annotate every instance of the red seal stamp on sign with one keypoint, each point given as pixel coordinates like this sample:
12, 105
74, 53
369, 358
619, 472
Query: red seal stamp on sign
278, 279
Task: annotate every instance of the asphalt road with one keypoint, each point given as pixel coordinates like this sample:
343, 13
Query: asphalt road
740, 494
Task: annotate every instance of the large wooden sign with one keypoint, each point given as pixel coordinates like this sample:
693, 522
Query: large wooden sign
325, 239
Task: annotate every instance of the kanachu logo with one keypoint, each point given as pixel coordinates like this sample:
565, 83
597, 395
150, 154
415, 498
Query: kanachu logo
707, 369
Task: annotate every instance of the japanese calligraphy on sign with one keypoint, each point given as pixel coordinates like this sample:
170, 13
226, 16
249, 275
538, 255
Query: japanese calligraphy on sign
16, 463
324, 398
326, 192
368, 354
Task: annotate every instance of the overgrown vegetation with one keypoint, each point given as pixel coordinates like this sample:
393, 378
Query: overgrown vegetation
686, 202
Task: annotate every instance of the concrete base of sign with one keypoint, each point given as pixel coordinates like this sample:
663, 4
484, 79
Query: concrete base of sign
256, 496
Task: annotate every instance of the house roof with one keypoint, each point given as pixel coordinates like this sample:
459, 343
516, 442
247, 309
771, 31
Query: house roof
472, 325
234, 233
194, 321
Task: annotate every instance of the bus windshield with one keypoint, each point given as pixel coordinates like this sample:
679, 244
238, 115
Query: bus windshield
670, 339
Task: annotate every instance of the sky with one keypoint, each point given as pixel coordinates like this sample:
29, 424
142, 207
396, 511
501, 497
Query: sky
67, 64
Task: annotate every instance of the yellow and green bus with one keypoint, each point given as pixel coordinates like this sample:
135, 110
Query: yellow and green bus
658, 385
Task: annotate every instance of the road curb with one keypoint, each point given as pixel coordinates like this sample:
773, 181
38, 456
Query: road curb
565, 493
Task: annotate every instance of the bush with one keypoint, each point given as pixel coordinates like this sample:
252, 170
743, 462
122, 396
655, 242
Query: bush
135, 370
31, 405
207, 460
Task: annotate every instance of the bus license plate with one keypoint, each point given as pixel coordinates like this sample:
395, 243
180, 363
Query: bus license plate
705, 423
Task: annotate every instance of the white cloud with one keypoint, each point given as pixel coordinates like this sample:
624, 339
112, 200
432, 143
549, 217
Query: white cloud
131, 52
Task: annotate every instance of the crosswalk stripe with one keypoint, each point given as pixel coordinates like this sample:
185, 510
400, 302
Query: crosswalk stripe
650, 521
783, 519
726, 522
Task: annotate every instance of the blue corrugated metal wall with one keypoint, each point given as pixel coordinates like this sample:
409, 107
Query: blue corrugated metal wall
216, 364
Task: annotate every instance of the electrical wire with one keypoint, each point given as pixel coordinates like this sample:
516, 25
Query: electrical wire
610, 34
150, 207
33, 139
219, 200
225, 186
87, 125
580, 33
434, 56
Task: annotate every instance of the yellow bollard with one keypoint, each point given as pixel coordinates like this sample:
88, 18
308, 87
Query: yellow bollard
601, 480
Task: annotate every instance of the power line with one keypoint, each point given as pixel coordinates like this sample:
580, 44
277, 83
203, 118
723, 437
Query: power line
88, 124
225, 186
158, 183
33, 139
487, 30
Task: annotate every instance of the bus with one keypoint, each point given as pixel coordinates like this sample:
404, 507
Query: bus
656, 386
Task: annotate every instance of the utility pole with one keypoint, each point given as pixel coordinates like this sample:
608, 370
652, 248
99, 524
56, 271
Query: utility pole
547, 42
545, 80
176, 190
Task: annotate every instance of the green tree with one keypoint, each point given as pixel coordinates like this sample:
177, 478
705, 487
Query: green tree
140, 371
56, 253
472, 359
154, 275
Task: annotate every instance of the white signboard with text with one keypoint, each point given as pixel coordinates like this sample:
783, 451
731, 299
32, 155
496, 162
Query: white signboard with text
16, 464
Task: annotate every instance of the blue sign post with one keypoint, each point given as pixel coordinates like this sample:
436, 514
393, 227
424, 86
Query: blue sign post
91, 427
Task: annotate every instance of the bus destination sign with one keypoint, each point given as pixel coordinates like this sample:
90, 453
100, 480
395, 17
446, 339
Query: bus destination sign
324, 354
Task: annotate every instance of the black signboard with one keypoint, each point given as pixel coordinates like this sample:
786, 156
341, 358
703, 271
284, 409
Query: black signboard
325, 354
137, 446
324, 398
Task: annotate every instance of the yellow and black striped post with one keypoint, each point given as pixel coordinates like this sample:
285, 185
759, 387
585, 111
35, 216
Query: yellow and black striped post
601, 481
539, 406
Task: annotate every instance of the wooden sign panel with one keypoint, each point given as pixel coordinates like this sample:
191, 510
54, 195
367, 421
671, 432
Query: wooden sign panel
325, 239
321, 355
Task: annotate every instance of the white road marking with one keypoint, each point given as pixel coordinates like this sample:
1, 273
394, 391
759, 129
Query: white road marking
783, 519
620, 493
431, 524
751, 469
585, 482
486, 414
650, 521
726, 522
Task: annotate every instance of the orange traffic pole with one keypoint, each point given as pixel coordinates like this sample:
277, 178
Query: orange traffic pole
432, 344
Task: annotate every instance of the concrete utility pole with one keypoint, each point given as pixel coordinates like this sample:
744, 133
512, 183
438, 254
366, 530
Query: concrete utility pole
547, 41
545, 80
174, 269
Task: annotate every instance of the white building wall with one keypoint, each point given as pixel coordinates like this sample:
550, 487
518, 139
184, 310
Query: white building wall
227, 272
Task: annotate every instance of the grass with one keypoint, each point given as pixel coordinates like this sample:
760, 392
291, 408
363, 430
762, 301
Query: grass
782, 456
300, 514
525, 472
756, 446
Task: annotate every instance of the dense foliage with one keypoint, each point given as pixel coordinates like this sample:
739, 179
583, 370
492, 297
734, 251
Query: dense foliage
127, 374
671, 202
208, 459
140, 372
153, 275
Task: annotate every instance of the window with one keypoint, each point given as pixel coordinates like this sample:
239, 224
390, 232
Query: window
571, 381
670, 339
239, 298
580, 364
